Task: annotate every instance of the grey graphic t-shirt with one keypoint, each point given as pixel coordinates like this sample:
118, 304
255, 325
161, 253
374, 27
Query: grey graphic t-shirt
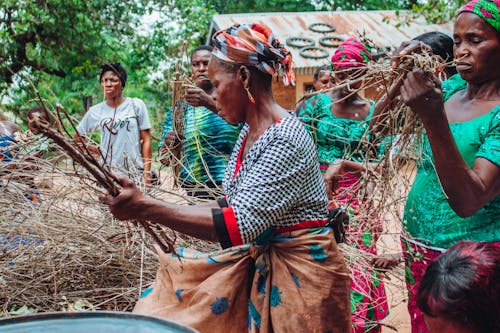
119, 128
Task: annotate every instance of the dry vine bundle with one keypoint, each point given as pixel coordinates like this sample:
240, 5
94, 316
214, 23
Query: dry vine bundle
103, 175
66, 252
172, 151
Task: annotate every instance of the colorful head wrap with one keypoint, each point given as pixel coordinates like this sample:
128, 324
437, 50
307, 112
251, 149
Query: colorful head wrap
254, 45
351, 53
488, 10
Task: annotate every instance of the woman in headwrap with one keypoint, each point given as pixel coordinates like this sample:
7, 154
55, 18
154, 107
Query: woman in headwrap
339, 122
280, 269
455, 195
322, 79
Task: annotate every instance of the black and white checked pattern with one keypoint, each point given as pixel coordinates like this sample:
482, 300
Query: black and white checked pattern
279, 183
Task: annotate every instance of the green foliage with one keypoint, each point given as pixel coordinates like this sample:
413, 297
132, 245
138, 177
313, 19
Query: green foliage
57, 46
59, 36
365, 4
438, 11
254, 6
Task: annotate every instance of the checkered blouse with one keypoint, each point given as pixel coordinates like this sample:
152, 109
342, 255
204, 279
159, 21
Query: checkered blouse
277, 187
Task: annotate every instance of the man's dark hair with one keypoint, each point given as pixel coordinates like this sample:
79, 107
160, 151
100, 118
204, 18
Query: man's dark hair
208, 48
116, 68
463, 286
441, 45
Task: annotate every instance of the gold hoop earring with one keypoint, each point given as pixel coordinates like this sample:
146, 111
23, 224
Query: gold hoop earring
250, 97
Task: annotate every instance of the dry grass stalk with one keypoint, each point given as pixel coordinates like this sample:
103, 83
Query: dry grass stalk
57, 253
172, 154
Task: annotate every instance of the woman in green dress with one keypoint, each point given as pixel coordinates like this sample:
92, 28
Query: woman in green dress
455, 195
338, 121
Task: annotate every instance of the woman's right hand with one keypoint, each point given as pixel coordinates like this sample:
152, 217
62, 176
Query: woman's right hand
128, 204
169, 144
421, 91
196, 96
387, 261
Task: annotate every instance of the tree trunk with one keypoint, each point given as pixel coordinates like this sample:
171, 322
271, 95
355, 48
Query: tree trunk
87, 102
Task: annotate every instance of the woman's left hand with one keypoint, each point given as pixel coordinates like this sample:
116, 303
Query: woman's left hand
332, 176
196, 96
422, 93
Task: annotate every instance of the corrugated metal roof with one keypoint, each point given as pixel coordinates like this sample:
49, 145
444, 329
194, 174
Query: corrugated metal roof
384, 28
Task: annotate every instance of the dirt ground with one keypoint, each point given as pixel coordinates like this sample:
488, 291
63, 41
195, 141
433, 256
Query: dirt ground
396, 293
389, 242
399, 317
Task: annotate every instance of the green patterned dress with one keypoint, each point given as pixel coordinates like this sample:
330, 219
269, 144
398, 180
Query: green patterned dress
428, 217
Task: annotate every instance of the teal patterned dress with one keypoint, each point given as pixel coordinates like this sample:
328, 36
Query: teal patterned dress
208, 143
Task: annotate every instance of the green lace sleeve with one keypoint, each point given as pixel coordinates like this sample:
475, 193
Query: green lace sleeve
309, 112
490, 149
452, 85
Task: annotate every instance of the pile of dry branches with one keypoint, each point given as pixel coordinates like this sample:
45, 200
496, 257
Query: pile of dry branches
65, 248
65, 251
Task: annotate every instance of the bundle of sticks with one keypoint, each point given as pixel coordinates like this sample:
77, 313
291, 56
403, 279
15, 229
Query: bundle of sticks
80, 154
171, 152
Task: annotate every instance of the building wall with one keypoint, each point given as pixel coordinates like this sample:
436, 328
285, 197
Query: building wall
284, 96
302, 82
288, 97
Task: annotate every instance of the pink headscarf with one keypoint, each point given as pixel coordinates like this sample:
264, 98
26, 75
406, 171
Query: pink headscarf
351, 53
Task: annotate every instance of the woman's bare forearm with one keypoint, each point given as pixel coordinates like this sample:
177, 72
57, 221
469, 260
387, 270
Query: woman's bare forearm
467, 189
195, 221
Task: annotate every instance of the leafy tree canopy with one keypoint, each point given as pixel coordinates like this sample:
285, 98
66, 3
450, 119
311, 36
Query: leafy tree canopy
62, 37
58, 45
